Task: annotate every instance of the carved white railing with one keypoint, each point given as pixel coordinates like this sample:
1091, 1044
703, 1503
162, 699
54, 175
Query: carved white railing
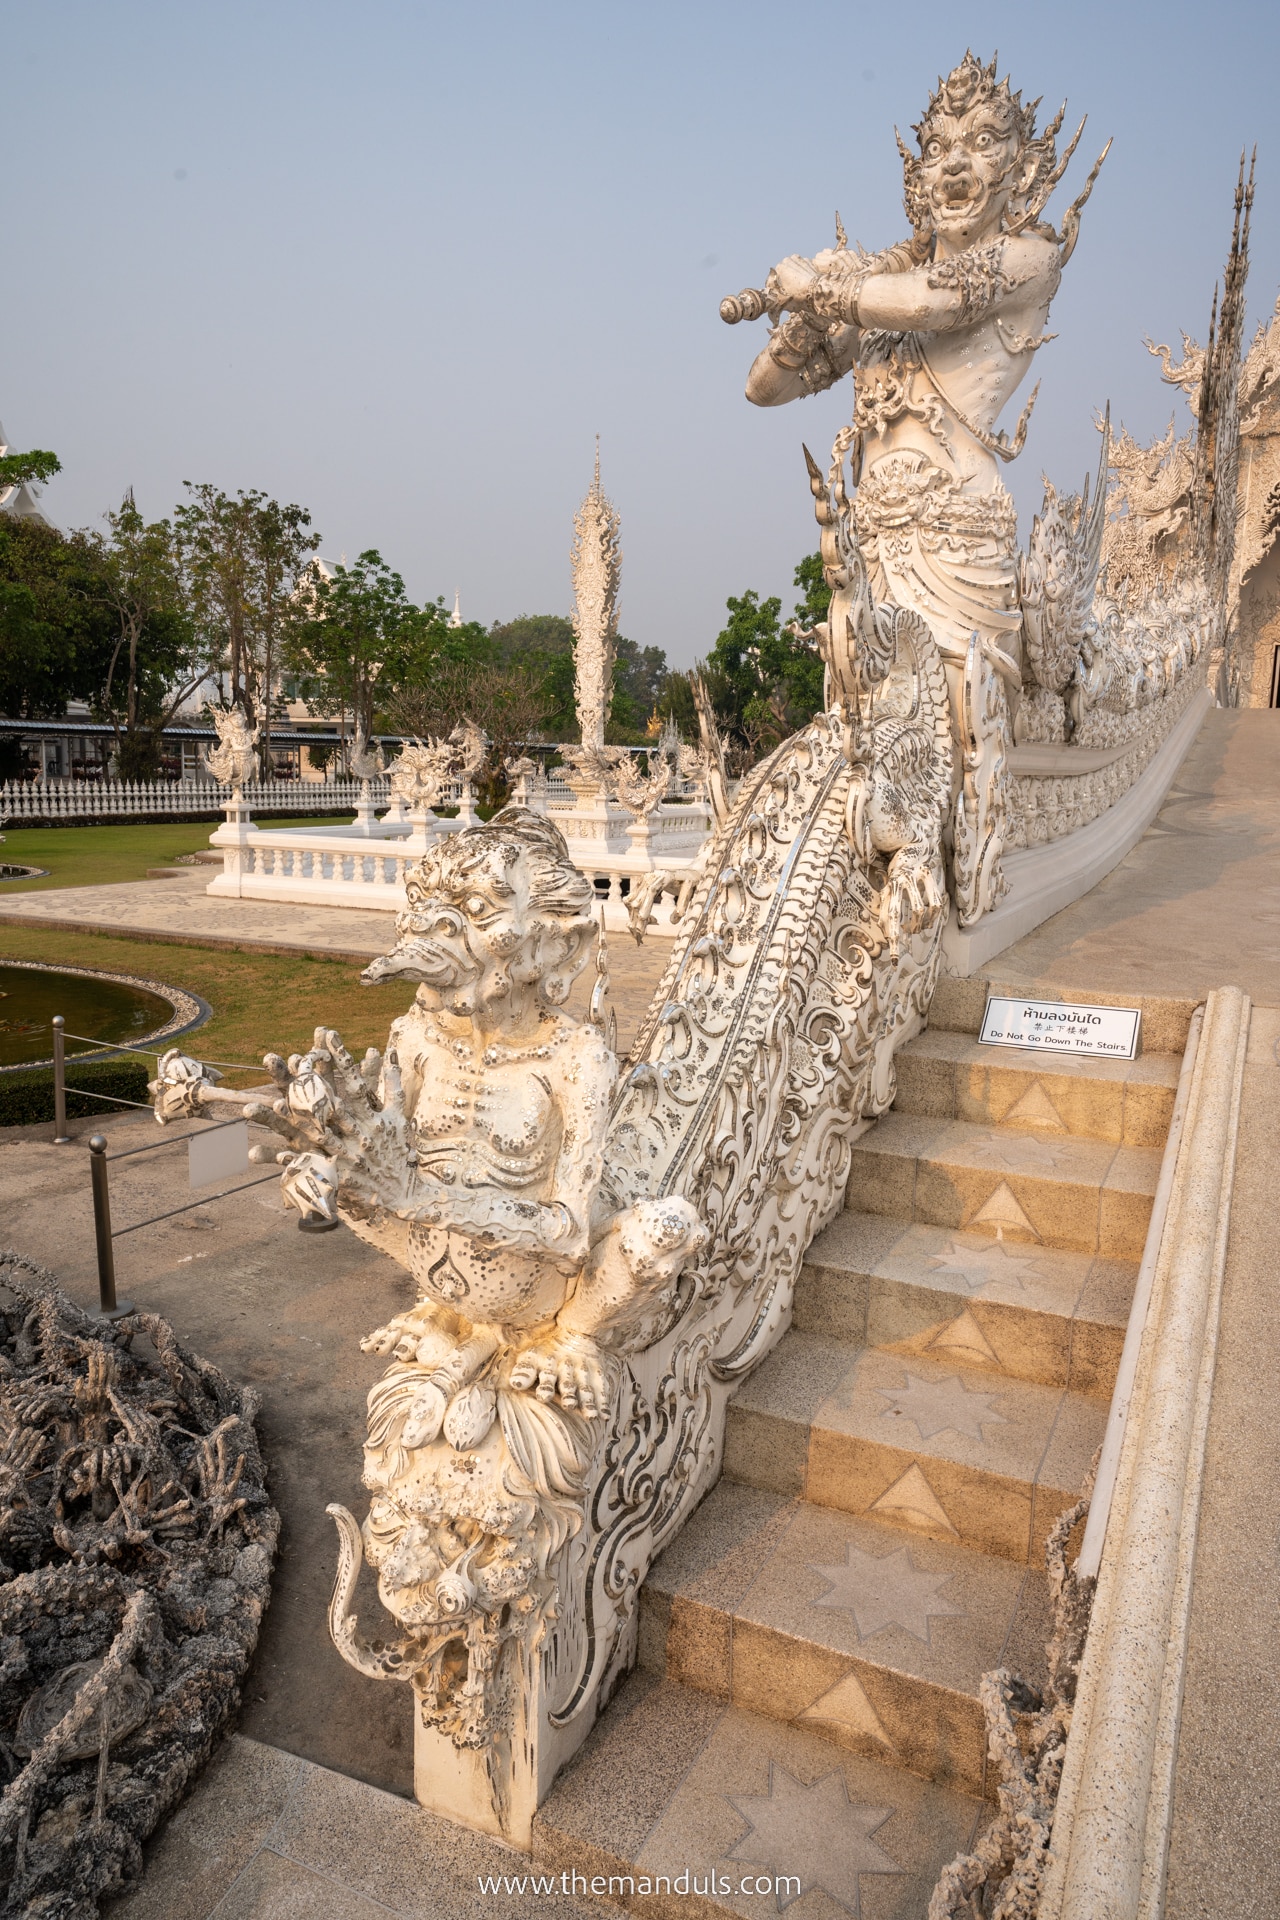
43, 800
40, 800
366, 865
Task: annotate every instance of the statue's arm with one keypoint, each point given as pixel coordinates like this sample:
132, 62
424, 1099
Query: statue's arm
1014, 271
800, 357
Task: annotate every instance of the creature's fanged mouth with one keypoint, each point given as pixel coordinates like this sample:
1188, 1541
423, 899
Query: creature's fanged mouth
958, 194
421, 960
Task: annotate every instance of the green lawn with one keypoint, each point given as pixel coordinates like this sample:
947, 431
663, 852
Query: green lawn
260, 1000
98, 856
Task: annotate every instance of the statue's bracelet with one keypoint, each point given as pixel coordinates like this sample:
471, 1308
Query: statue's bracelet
837, 300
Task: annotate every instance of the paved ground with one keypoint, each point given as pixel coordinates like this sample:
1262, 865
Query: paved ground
285, 1311
179, 909
1197, 902
269, 1837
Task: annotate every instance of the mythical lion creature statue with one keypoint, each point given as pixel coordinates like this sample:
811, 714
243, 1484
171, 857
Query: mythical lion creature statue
472, 1152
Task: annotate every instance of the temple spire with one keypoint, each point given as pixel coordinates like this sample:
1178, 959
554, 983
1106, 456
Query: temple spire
597, 567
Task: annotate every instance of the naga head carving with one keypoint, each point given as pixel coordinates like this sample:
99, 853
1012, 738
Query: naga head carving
497, 916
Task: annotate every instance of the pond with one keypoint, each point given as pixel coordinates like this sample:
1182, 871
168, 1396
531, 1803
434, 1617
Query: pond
108, 1010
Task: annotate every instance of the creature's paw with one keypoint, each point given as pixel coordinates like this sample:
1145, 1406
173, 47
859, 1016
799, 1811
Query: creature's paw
569, 1368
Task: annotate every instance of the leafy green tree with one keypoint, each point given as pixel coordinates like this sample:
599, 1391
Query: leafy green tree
766, 677
812, 607
158, 657
27, 469
359, 641
543, 643
56, 628
640, 676
244, 558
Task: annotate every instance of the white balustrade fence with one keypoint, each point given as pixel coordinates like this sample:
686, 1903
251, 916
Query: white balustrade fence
366, 864
44, 800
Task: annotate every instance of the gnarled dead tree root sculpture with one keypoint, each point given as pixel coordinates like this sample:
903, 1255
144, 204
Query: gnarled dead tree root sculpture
1027, 1740
136, 1547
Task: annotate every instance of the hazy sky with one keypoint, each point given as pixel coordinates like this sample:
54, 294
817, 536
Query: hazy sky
402, 262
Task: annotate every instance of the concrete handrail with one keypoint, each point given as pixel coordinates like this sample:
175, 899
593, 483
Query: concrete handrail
1110, 1835
1109, 1461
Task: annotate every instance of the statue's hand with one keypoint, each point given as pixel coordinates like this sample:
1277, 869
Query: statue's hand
790, 282
912, 894
377, 1155
323, 1094
568, 1367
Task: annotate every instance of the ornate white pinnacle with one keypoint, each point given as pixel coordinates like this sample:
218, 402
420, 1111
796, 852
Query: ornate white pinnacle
597, 569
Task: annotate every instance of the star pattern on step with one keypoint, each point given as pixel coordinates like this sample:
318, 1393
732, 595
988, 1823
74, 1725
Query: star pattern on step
1016, 1152
975, 1267
815, 1835
942, 1406
886, 1590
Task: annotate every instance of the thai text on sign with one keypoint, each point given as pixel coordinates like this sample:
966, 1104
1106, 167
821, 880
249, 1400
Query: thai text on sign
1053, 1026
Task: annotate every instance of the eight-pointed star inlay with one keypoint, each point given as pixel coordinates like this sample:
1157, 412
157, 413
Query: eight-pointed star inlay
815, 1835
886, 1590
942, 1406
973, 1267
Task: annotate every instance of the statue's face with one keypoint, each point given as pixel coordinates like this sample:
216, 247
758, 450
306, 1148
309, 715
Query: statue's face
476, 945
968, 170
464, 937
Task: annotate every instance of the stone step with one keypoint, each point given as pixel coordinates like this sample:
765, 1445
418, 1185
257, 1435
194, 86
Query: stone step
695, 1807
1088, 1195
949, 1076
957, 1006
841, 1626
932, 1447
1031, 1312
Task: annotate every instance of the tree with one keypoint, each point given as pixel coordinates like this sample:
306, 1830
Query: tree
244, 559
508, 702
157, 660
358, 640
56, 628
543, 642
640, 677
812, 609
26, 469
766, 677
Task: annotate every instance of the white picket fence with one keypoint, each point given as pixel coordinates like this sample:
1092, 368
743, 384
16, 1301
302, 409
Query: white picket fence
45, 800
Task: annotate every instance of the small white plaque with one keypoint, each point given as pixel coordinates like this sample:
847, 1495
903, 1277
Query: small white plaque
218, 1155
1053, 1026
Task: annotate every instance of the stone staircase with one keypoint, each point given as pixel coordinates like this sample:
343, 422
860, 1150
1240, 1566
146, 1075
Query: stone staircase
806, 1701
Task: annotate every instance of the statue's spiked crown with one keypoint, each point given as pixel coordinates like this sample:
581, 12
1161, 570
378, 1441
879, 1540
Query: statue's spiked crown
972, 85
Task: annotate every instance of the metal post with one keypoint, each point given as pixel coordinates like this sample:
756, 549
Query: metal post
60, 1134
111, 1309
